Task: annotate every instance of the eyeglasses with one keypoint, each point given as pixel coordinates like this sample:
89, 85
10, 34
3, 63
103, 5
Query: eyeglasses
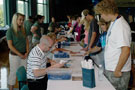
49, 46
103, 24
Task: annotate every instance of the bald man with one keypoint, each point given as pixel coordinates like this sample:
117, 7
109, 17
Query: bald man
36, 64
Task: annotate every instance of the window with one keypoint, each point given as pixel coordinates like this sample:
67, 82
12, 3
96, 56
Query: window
2, 22
22, 7
43, 9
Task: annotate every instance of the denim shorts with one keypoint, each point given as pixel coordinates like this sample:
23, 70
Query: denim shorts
120, 83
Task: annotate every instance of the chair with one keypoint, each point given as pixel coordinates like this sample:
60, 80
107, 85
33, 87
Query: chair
25, 87
21, 76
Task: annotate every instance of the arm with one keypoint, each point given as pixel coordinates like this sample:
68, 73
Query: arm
125, 52
41, 72
27, 47
93, 50
33, 29
60, 49
94, 34
50, 28
13, 49
52, 62
70, 30
61, 39
85, 49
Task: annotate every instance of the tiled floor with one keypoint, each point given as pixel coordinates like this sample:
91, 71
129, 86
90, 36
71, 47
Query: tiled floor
3, 78
4, 66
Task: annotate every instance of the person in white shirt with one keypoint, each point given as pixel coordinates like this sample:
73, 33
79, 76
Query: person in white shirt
36, 64
117, 49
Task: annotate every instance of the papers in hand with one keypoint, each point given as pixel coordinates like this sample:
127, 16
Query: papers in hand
64, 61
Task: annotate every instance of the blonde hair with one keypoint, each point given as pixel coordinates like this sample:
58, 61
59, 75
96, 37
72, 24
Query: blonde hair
106, 7
102, 21
15, 25
86, 25
52, 36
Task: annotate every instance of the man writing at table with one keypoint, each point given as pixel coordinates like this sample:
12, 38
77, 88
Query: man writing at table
36, 65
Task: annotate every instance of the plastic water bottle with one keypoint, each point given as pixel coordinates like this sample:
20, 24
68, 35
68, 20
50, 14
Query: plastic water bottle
100, 73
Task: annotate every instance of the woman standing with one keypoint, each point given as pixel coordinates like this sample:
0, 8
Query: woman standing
100, 45
36, 30
86, 28
18, 45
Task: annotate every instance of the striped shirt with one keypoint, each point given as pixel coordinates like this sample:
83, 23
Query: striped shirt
36, 60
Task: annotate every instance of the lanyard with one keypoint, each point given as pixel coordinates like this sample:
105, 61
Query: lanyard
109, 31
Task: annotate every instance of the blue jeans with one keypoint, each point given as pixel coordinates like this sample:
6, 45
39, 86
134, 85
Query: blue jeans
85, 45
98, 58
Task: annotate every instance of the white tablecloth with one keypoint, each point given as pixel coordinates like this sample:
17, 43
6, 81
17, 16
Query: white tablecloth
76, 71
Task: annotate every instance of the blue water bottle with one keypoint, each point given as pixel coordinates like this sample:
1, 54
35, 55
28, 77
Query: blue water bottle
59, 44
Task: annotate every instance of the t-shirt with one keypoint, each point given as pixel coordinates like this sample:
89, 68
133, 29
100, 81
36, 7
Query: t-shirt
86, 37
93, 28
53, 25
27, 25
78, 29
36, 60
38, 31
119, 36
18, 41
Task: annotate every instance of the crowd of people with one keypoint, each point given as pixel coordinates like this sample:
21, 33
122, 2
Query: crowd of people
109, 38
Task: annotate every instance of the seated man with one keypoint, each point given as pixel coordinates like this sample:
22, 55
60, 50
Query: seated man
100, 44
36, 64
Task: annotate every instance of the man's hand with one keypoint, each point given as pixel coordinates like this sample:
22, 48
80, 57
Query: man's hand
58, 65
53, 62
117, 74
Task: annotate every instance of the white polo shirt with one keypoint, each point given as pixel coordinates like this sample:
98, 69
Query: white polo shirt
120, 36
